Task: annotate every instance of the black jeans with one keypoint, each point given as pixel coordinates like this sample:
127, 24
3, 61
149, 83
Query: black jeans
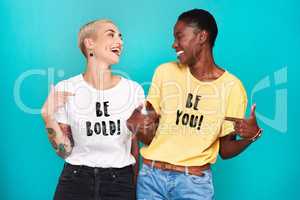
91, 183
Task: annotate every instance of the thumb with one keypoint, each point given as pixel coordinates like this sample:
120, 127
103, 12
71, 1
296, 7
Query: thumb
139, 108
133, 137
52, 88
252, 113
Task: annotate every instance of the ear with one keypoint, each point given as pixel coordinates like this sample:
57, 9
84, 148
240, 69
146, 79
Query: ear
202, 36
89, 43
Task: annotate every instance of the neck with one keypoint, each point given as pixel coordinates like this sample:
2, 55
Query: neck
98, 74
205, 68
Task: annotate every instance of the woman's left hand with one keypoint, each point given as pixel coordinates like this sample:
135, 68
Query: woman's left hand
246, 128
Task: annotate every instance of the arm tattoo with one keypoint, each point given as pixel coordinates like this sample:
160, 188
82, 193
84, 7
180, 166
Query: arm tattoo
61, 147
51, 136
68, 132
61, 150
51, 132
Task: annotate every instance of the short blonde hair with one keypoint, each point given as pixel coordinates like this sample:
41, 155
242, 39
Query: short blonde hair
89, 30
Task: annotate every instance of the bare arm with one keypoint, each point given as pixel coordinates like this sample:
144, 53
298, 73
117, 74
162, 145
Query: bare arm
248, 129
230, 147
59, 135
144, 126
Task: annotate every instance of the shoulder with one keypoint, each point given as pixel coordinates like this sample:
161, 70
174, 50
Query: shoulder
169, 67
131, 84
68, 84
234, 83
169, 71
233, 78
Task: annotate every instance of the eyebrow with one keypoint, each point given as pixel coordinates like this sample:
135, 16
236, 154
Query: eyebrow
177, 33
111, 30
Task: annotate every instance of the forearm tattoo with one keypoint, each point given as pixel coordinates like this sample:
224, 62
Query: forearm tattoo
61, 148
67, 132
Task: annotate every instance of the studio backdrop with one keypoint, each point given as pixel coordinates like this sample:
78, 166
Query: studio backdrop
258, 41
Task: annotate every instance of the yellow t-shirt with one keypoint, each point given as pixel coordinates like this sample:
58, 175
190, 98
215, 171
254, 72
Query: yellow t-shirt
192, 114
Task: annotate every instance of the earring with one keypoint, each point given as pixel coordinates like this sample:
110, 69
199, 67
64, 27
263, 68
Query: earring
91, 54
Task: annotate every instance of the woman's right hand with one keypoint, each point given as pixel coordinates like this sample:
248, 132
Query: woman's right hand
54, 101
143, 126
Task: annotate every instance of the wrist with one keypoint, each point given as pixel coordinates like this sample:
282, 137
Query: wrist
256, 136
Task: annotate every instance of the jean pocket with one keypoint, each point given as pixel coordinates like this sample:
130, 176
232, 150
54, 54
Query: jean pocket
145, 170
124, 179
69, 173
204, 179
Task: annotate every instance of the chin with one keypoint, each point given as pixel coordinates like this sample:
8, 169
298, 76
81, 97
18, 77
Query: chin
113, 61
182, 61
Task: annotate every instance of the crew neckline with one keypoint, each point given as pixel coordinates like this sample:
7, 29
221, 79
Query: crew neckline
207, 82
105, 90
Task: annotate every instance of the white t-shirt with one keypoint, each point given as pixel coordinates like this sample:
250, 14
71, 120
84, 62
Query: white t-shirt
98, 121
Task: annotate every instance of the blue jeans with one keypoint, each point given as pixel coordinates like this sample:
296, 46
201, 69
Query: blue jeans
157, 184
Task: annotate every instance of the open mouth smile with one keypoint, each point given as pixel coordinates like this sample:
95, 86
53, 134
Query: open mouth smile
116, 50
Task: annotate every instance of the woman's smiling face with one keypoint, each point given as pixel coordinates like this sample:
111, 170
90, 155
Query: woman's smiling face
108, 44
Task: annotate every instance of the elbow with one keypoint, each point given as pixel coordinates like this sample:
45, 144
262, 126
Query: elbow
225, 155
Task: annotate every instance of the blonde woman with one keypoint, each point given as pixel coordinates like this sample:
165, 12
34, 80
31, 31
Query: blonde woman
85, 117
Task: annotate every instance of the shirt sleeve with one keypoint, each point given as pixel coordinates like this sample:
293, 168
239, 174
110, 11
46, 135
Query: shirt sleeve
236, 107
154, 94
140, 96
61, 115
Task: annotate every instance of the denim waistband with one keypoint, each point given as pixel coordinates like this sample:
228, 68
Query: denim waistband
98, 169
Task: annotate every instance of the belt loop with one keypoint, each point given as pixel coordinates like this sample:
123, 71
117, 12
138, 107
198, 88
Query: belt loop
186, 170
152, 164
96, 170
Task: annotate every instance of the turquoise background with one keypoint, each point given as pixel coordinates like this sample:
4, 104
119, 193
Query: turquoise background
256, 38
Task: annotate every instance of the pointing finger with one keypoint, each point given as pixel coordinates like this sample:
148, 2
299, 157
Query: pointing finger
52, 89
